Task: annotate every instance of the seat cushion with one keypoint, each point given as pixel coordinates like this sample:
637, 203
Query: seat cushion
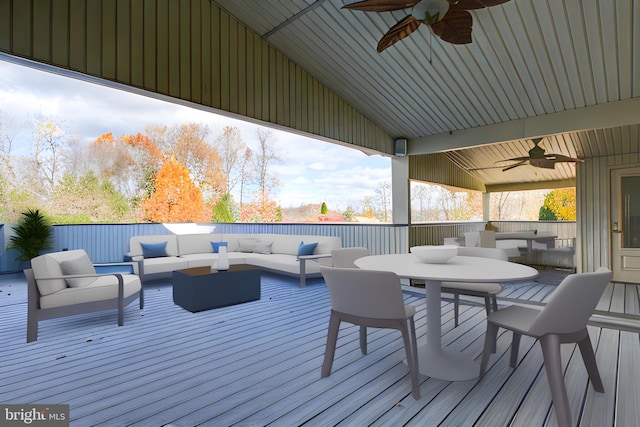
164, 264
103, 288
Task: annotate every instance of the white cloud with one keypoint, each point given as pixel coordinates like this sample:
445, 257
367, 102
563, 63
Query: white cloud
311, 171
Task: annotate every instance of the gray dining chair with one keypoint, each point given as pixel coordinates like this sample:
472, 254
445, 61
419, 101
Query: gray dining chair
369, 299
563, 320
345, 257
488, 291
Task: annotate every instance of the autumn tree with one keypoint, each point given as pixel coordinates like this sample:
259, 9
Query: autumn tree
175, 198
421, 195
559, 205
246, 177
383, 197
48, 139
267, 179
188, 143
87, 199
223, 210
231, 148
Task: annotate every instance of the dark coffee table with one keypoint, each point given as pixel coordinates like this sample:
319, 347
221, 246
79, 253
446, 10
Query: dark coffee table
198, 289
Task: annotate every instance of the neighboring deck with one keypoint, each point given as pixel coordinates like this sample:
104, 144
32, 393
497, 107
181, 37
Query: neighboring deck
259, 363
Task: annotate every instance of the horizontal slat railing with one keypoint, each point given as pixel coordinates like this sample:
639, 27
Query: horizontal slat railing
110, 242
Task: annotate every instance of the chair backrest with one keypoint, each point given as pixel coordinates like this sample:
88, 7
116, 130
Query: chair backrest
365, 293
482, 239
494, 253
572, 303
344, 257
49, 265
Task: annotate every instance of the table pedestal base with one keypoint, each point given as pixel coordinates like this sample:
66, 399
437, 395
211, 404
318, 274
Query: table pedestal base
448, 365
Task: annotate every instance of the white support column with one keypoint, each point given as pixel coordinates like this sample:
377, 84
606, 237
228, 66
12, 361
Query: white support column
401, 203
486, 206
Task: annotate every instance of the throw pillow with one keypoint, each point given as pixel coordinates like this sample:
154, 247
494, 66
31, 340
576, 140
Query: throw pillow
216, 246
306, 249
80, 265
246, 245
154, 250
262, 248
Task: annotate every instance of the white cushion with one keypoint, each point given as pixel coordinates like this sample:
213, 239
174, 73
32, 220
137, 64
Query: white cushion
164, 264
48, 265
207, 260
80, 265
104, 288
171, 248
197, 243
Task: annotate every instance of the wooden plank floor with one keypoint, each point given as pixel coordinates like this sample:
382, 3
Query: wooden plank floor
258, 364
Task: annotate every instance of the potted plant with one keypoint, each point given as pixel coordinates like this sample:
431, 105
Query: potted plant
33, 234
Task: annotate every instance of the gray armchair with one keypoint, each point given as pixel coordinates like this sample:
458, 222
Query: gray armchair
66, 283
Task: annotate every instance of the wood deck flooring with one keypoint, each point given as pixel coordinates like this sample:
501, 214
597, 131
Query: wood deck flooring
258, 364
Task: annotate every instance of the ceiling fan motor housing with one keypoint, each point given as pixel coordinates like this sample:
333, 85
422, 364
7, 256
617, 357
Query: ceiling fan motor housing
430, 11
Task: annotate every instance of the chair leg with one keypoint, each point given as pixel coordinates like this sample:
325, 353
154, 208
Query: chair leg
515, 348
411, 349
589, 359
487, 303
490, 338
330, 350
553, 366
363, 339
456, 307
32, 325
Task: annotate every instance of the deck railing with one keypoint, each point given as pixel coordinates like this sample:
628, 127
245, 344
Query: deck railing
110, 242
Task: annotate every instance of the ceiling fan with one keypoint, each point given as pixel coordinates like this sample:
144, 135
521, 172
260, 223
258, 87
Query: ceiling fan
538, 158
449, 19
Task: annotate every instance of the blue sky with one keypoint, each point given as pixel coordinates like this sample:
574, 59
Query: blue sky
321, 172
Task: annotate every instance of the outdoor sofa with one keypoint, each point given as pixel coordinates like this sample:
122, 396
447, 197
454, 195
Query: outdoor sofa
280, 253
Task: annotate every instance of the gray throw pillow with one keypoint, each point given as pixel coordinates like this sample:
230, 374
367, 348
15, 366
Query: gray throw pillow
80, 265
262, 248
246, 245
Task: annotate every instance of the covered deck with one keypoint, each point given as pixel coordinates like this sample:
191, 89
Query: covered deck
258, 364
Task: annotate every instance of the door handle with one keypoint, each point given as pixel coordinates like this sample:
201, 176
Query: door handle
616, 227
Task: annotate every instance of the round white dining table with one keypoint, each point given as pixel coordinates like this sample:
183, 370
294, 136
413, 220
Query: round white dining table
434, 360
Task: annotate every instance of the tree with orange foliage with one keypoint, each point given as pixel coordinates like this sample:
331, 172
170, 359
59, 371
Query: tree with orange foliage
559, 205
175, 197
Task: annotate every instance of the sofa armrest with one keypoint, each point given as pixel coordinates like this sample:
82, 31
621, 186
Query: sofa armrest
314, 256
116, 267
303, 265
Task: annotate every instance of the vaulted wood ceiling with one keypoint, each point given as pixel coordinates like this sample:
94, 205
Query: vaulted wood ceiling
565, 69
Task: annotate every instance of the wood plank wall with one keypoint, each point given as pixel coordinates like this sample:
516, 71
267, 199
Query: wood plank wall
186, 49
438, 168
593, 187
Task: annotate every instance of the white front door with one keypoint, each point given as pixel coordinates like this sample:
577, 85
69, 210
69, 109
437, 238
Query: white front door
625, 226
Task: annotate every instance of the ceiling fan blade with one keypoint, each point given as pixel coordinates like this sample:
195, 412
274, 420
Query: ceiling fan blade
399, 31
473, 4
381, 5
455, 27
543, 163
514, 166
484, 168
561, 158
515, 159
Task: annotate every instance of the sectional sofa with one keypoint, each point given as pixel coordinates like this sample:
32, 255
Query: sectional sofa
296, 255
